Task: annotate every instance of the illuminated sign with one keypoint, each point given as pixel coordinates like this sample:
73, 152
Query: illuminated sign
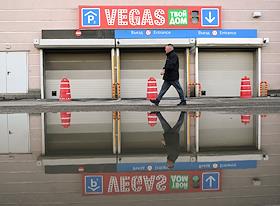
149, 17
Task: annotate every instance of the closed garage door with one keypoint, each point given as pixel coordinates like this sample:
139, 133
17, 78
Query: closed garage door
87, 133
138, 65
233, 135
220, 72
138, 136
89, 73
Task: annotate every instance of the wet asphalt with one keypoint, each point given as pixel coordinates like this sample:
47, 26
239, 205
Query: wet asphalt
234, 105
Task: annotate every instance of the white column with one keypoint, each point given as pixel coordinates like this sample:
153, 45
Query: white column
259, 119
118, 70
196, 65
43, 133
259, 70
197, 134
42, 74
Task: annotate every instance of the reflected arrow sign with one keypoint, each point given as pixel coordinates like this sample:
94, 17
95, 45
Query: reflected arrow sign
210, 179
210, 19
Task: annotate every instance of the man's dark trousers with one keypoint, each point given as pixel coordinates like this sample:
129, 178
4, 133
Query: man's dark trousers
165, 87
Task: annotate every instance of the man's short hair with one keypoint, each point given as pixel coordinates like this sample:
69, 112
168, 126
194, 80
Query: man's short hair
171, 45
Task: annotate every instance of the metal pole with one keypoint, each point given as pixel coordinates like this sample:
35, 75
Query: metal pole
188, 70
113, 73
118, 73
114, 114
119, 132
196, 73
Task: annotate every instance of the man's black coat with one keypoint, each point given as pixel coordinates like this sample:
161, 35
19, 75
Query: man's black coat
171, 67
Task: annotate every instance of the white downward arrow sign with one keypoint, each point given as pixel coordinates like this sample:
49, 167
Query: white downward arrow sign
210, 19
210, 179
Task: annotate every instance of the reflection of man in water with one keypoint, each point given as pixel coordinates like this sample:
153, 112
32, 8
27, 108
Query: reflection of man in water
171, 138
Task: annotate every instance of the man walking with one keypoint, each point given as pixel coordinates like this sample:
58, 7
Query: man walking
170, 74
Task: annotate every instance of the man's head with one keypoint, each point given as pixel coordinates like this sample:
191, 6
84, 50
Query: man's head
170, 164
169, 48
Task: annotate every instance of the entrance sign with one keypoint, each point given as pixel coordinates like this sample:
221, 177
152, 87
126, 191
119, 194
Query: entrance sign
184, 33
151, 182
182, 166
149, 17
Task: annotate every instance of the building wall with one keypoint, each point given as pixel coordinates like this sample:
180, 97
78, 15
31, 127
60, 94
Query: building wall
22, 21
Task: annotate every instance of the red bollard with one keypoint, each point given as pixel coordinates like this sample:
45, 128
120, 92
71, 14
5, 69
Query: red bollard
245, 118
245, 89
65, 118
152, 89
152, 119
65, 94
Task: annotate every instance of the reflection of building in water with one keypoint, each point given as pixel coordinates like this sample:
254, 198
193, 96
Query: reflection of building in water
90, 133
92, 143
207, 137
14, 129
221, 136
137, 137
94, 135
127, 137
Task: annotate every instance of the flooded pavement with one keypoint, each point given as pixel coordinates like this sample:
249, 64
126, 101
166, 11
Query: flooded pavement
140, 158
234, 104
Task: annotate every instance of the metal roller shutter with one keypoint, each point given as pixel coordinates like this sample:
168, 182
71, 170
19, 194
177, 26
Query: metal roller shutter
139, 137
138, 65
87, 133
220, 73
233, 133
89, 73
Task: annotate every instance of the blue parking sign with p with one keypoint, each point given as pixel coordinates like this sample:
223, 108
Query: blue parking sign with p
93, 184
90, 17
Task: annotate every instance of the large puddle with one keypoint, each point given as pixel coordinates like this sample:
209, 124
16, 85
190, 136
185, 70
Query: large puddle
131, 152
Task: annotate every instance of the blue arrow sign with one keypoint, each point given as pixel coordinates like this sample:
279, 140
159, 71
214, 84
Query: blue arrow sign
210, 17
90, 17
210, 180
93, 184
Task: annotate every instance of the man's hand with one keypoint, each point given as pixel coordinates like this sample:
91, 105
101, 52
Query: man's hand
162, 72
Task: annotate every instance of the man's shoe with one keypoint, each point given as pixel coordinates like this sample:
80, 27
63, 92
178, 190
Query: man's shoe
155, 102
182, 103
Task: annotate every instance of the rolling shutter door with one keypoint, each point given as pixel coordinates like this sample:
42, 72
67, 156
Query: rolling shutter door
89, 73
138, 66
87, 133
233, 133
220, 73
